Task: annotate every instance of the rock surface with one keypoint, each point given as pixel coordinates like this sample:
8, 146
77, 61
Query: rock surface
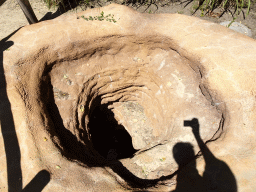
101, 105
238, 27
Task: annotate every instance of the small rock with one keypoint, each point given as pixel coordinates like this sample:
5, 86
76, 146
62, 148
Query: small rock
238, 27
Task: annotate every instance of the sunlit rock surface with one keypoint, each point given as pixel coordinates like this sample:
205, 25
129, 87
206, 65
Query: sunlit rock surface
101, 105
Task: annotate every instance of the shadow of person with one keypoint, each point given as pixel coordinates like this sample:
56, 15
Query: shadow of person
217, 175
10, 139
188, 178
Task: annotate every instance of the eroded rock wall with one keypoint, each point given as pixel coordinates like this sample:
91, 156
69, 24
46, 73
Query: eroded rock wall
145, 74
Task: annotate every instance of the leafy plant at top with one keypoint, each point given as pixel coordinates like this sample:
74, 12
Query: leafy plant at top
239, 5
210, 5
108, 17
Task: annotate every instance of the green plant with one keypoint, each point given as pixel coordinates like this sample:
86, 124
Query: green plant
240, 4
231, 22
53, 3
202, 13
101, 18
87, 2
210, 5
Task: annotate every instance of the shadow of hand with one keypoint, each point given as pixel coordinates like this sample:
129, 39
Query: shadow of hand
194, 124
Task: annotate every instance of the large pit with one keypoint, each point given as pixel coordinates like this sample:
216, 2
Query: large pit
113, 104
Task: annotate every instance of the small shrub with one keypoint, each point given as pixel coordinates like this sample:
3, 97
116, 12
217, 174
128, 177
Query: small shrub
108, 17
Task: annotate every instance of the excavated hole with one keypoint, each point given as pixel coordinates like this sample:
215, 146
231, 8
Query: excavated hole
98, 130
109, 139
101, 121
119, 113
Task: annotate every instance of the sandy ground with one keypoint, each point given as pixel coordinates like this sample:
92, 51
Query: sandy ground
12, 17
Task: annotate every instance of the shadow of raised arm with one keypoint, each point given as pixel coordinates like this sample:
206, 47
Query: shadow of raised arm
217, 174
207, 154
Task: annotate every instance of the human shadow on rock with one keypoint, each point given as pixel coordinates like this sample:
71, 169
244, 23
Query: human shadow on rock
10, 140
217, 175
188, 179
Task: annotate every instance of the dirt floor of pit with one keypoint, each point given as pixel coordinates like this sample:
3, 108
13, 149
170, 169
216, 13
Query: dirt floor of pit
12, 17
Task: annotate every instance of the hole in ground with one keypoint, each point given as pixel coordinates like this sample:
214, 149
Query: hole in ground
110, 139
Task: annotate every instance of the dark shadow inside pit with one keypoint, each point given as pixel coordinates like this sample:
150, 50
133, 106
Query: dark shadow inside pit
68, 144
110, 139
